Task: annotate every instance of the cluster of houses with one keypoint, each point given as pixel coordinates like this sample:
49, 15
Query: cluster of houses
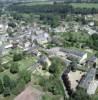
25, 37
73, 26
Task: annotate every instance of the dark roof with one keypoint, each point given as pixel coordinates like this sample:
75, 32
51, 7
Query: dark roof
92, 59
84, 83
75, 52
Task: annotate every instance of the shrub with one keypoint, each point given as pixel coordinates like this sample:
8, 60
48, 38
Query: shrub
6, 92
17, 57
1, 69
14, 68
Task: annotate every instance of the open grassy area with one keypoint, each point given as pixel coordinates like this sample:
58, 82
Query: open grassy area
37, 3
85, 5
26, 63
23, 64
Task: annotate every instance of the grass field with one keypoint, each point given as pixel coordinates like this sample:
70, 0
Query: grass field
37, 3
85, 5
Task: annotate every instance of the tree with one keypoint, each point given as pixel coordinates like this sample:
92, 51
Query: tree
96, 54
19, 87
1, 87
12, 84
17, 56
25, 75
6, 81
1, 69
14, 68
44, 66
6, 92
81, 95
73, 66
12, 24
56, 67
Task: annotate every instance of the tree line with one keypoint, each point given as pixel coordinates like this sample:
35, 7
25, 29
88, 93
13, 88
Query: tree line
55, 8
77, 1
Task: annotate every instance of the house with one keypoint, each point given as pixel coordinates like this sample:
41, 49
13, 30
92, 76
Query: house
44, 59
3, 50
77, 55
91, 61
33, 51
92, 88
42, 38
56, 51
3, 28
88, 79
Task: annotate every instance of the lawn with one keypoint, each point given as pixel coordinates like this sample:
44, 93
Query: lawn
85, 5
23, 64
26, 62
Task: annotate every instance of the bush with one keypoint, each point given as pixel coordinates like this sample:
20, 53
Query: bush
17, 57
6, 66
14, 68
6, 92
1, 87
12, 84
6, 81
1, 69
25, 75
19, 87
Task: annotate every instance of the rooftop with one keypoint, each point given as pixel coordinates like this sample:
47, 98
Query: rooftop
88, 78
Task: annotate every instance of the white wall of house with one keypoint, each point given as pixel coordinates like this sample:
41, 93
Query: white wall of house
83, 58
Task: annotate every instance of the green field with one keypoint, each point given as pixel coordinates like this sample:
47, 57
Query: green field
85, 5
37, 3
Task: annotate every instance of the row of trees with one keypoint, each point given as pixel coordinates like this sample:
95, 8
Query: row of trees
55, 8
78, 1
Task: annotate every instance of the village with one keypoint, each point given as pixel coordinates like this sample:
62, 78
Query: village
35, 40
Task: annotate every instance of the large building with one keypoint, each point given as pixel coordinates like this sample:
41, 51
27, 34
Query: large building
88, 81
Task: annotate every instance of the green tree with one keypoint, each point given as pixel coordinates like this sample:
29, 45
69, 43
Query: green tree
13, 84
56, 67
17, 56
96, 54
80, 95
73, 66
25, 75
6, 92
1, 87
19, 87
14, 68
6, 80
